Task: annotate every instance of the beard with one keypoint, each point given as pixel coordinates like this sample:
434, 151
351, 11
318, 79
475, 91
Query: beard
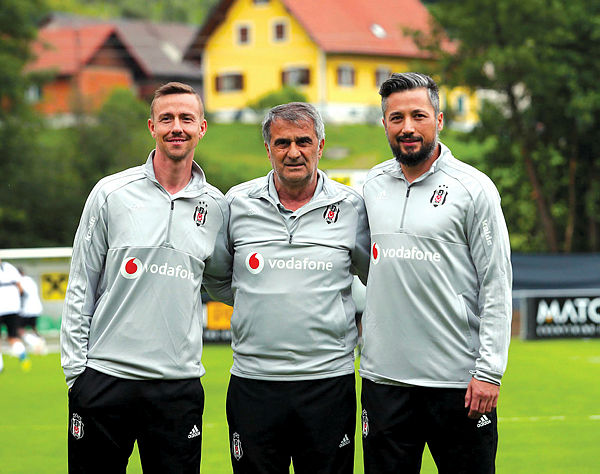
414, 158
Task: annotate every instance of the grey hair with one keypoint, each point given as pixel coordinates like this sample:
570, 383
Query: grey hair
405, 81
294, 112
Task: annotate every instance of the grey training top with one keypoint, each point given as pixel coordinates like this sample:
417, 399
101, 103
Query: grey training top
293, 316
438, 302
133, 307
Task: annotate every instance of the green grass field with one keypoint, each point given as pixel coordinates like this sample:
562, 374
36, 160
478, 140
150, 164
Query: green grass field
549, 412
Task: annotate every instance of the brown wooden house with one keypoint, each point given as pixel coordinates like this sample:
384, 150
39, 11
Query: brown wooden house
85, 65
85, 59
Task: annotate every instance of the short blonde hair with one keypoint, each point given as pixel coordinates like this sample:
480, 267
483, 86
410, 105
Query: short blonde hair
175, 88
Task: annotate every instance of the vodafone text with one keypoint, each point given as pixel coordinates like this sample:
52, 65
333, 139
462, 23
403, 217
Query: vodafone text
132, 267
255, 263
300, 264
413, 253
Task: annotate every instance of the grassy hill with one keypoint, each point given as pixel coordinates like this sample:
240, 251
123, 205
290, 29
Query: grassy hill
70, 161
233, 153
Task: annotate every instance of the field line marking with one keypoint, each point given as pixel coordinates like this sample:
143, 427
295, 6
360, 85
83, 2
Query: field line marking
545, 418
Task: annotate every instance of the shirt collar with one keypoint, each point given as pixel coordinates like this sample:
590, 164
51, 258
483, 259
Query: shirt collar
274, 195
195, 184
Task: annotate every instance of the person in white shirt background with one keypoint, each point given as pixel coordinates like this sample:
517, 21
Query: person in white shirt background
10, 306
31, 309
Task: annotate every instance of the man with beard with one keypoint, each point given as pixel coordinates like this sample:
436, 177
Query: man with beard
436, 326
131, 333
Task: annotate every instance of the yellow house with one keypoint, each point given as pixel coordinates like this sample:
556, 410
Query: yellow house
337, 52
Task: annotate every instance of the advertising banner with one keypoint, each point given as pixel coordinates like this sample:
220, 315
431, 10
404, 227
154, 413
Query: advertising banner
217, 318
548, 314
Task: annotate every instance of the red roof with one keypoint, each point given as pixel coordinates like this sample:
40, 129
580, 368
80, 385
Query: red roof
373, 27
67, 49
155, 47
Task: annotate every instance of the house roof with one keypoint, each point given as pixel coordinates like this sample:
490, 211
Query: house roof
156, 47
344, 26
160, 46
67, 49
362, 26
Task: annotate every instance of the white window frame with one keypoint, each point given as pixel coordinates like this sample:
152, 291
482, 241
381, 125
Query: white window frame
237, 34
295, 70
224, 76
33, 94
286, 25
343, 70
381, 70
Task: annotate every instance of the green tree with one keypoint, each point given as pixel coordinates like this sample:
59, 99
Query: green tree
183, 11
55, 169
539, 60
18, 28
18, 124
281, 96
113, 139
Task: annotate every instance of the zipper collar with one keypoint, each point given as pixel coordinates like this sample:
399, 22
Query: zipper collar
326, 193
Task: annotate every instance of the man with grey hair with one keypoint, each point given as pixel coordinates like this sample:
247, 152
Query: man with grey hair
295, 239
436, 328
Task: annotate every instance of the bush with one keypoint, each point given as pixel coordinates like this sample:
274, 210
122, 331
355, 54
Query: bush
282, 96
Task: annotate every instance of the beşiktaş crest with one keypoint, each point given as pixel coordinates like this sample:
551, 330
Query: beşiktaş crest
331, 213
200, 213
76, 426
439, 195
365, 423
236, 446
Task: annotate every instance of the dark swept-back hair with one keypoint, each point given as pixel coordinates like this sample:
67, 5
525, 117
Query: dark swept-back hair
405, 81
175, 88
294, 112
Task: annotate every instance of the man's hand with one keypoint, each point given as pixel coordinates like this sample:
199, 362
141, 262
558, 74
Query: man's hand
481, 398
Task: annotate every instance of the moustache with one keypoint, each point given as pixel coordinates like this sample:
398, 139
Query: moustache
408, 137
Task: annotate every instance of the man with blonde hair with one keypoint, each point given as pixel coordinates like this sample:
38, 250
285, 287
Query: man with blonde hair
131, 334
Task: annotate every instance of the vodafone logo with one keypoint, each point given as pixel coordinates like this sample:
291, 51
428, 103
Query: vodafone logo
404, 253
131, 268
375, 253
255, 262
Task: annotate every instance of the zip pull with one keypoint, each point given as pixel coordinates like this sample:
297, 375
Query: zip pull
404, 207
168, 234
